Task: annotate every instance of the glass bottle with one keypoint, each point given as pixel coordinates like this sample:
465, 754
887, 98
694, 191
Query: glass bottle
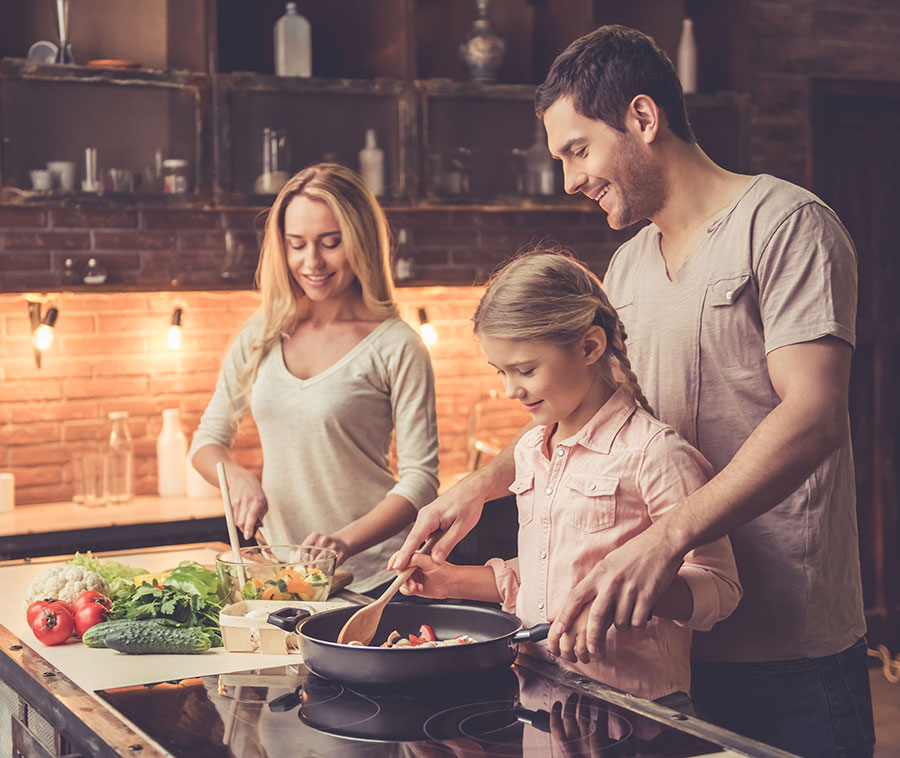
171, 450
120, 459
687, 57
371, 164
540, 171
293, 47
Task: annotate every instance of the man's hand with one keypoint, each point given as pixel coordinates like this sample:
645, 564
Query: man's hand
247, 499
452, 515
619, 590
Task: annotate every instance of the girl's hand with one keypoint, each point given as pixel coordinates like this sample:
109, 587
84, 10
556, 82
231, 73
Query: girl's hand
430, 579
573, 642
331, 542
248, 501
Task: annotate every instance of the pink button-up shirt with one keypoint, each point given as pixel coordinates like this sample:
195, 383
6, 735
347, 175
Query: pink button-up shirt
595, 491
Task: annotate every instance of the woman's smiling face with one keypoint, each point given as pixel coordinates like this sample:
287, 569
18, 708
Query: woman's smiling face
315, 251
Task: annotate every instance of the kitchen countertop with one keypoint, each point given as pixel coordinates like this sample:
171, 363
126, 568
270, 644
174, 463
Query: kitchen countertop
144, 521
142, 509
71, 671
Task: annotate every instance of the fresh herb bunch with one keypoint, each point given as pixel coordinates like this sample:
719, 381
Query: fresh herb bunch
171, 603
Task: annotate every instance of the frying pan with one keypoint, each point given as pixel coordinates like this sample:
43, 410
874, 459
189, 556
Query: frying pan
497, 635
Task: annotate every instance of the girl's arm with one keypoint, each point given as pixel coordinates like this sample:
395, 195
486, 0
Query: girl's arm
443, 580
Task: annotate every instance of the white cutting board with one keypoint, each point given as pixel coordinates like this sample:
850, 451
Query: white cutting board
98, 669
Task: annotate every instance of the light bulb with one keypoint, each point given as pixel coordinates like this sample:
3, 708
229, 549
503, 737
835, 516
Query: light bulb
426, 330
42, 337
429, 336
174, 336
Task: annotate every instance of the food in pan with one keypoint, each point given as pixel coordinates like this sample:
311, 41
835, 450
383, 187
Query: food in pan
425, 638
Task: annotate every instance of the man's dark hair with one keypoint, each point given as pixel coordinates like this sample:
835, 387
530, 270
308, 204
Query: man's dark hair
603, 71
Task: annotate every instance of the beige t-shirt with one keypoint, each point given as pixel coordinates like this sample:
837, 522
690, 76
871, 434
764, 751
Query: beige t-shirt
326, 440
777, 268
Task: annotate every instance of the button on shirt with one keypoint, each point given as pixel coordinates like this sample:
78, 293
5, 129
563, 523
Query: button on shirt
620, 472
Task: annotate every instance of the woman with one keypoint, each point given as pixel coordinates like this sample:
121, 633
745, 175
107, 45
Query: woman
328, 370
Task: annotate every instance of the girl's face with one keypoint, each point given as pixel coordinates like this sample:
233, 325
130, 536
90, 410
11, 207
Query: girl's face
315, 251
557, 384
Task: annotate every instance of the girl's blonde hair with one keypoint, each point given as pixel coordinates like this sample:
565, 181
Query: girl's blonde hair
366, 241
547, 295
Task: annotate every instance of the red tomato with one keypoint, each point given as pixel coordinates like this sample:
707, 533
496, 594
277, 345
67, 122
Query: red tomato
87, 615
90, 597
53, 625
427, 633
35, 608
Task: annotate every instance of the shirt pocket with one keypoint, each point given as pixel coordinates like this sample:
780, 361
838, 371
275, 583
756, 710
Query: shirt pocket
725, 292
591, 505
731, 335
523, 488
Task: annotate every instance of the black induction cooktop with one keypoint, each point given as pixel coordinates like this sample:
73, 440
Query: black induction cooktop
518, 711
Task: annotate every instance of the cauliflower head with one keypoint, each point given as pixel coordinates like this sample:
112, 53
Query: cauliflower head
65, 583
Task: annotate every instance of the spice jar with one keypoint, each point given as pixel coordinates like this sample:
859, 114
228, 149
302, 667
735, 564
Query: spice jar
175, 176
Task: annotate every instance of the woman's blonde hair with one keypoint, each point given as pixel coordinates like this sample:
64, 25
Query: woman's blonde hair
548, 296
366, 241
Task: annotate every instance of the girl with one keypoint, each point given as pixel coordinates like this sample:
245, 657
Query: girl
596, 469
328, 370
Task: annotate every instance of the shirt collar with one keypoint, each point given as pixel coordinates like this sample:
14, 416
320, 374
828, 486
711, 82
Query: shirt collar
598, 433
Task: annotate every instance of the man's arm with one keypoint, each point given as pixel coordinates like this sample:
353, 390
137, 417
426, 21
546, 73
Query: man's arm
809, 424
454, 513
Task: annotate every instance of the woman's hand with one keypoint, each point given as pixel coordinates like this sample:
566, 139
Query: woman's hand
248, 501
331, 542
430, 579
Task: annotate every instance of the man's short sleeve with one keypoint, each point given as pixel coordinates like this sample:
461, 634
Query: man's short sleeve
807, 279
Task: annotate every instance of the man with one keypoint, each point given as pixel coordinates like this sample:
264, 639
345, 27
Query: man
739, 300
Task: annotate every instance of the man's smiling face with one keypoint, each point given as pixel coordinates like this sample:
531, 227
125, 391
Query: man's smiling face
612, 168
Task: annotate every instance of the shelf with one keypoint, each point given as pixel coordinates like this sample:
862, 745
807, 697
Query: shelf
53, 113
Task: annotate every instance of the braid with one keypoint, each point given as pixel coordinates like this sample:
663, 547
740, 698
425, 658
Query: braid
616, 342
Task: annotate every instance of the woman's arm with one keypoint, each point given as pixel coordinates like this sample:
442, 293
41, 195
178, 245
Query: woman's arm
248, 501
387, 518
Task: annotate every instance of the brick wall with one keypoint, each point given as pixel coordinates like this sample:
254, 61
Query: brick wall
793, 42
186, 248
110, 353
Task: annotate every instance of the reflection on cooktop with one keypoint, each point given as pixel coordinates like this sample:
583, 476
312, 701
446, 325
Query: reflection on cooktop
273, 713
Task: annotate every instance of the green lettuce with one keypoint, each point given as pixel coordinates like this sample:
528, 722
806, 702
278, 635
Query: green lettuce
117, 575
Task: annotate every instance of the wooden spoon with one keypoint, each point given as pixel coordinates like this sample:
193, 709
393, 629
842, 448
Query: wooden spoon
361, 626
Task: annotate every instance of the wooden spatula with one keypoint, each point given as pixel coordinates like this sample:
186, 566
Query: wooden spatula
361, 626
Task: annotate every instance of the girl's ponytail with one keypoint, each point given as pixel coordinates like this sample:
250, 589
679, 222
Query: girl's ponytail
615, 340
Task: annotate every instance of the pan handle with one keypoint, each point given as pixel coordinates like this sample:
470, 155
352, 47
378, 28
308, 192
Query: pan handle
537, 719
287, 618
535, 633
286, 702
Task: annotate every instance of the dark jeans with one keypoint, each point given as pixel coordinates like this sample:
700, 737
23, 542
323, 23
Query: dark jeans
813, 707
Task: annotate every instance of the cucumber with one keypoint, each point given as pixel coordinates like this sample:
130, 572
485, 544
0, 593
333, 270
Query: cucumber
96, 635
141, 638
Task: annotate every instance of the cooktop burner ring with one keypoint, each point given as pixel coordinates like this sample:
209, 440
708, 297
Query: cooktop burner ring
490, 724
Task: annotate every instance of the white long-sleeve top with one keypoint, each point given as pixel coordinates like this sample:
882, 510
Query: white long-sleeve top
326, 440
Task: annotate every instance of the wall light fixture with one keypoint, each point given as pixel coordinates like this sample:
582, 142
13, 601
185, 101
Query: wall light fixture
174, 336
429, 336
41, 327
